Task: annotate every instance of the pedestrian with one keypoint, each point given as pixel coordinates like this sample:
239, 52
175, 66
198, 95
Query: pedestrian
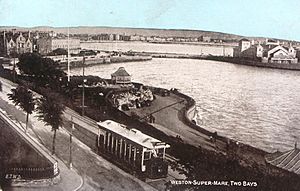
215, 136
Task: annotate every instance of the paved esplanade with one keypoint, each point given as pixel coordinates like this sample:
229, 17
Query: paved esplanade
96, 172
170, 121
70, 179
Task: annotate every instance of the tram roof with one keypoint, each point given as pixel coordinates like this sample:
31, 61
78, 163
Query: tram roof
133, 135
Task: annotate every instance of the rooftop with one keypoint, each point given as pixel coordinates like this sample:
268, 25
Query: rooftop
14, 36
289, 160
244, 39
133, 134
120, 72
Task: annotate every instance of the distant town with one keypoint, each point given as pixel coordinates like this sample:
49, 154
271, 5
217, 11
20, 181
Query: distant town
138, 136
18, 41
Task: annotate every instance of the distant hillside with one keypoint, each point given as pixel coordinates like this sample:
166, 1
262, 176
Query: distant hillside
141, 31
133, 31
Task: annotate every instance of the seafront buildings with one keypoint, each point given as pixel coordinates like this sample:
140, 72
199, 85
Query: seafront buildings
13, 43
268, 52
48, 44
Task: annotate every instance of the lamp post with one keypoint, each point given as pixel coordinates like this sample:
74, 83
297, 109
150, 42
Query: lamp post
13, 54
71, 137
68, 55
83, 80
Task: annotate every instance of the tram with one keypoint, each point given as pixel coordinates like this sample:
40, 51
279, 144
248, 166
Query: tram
141, 153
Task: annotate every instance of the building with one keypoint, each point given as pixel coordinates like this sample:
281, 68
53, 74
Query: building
170, 39
136, 150
124, 37
111, 37
280, 54
135, 37
270, 52
205, 38
13, 42
121, 77
149, 38
271, 42
244, 44
298, 53
159, 39
48, 44
289, 160
253, 51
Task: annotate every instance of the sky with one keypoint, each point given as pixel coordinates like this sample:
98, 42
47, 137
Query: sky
264, 18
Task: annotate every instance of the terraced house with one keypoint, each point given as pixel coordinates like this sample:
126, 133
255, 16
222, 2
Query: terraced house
13, 42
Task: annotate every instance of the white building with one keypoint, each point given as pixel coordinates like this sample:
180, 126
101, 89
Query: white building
270, 52
47, 45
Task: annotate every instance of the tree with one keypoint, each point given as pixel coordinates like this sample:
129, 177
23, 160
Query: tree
58, 51
50, 110
22, 97
43, 70
30, 63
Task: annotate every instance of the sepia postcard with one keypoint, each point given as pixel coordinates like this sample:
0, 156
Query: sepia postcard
161, 95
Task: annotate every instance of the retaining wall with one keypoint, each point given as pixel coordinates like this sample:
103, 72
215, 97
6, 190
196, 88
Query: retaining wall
25, 162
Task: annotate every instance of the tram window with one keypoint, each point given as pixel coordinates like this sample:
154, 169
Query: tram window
147, 155
160, 152
101, 139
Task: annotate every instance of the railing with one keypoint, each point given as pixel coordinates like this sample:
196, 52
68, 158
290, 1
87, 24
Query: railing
49, 171
30, 173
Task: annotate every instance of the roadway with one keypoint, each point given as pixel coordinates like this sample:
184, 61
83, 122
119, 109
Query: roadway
169, 120
96, 172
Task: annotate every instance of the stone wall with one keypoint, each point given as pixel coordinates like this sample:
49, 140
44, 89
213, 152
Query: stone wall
22, 160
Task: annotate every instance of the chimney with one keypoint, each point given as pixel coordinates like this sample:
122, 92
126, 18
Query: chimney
28, 34
14, 31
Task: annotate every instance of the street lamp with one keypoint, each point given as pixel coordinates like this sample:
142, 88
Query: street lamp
14, 55
83, 81
71, 137
68, 56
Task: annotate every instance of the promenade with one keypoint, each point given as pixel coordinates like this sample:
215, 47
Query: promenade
171, 121
96, 172
69, 179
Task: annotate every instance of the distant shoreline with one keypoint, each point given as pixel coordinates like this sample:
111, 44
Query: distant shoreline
167, 42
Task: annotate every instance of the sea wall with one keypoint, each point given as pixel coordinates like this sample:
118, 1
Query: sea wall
190, 108
105, 60
191, 112
256, 63
118, 59
188, 117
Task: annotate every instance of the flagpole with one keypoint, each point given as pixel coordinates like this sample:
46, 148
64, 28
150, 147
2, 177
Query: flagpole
68, 57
